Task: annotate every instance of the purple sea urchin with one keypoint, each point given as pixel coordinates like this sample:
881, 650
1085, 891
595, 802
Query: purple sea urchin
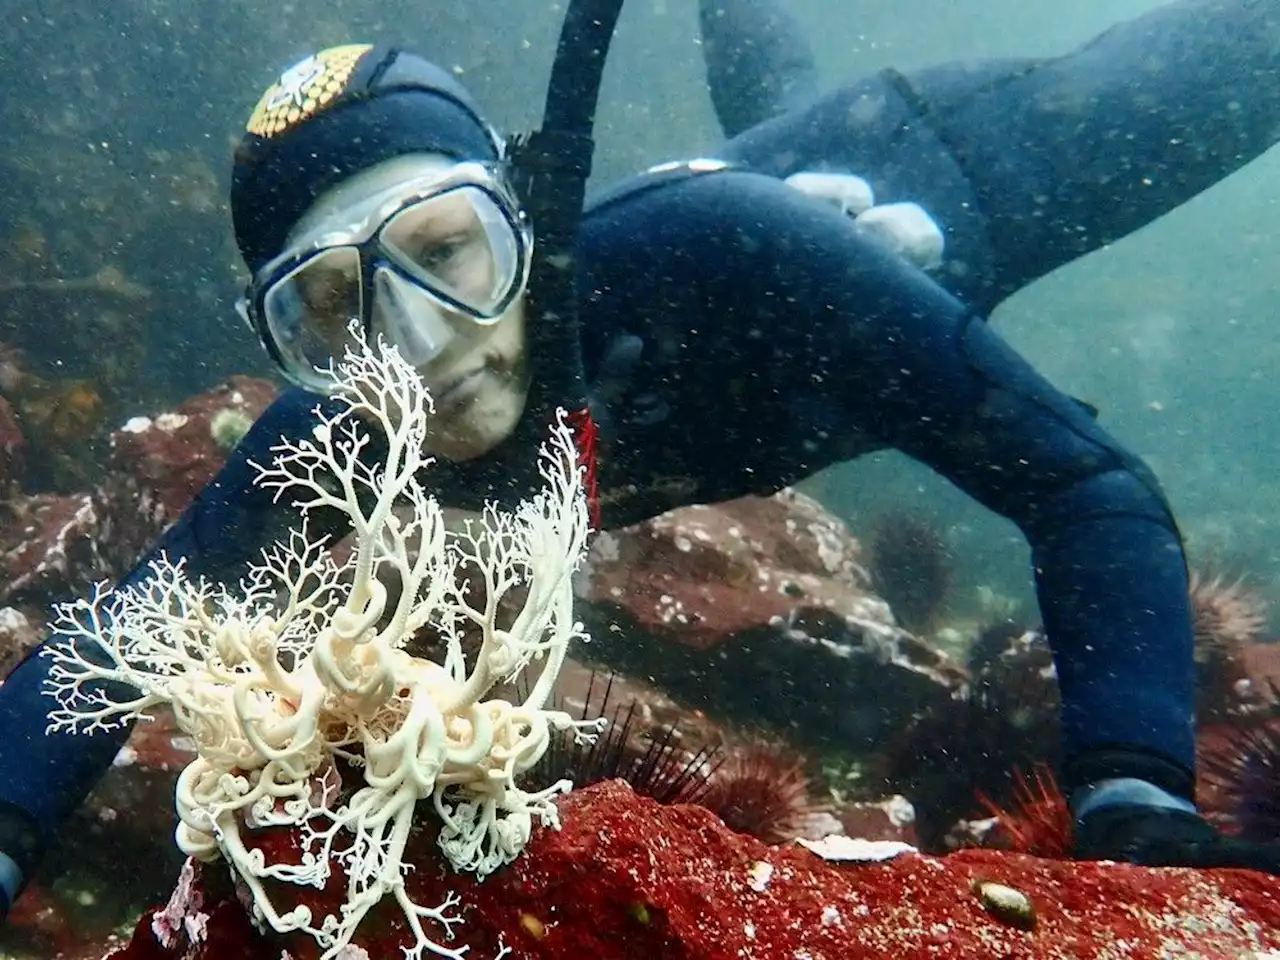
762, 790
912, 568
1247, 771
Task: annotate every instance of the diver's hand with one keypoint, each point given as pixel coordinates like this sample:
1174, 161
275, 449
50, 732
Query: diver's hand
1160, 837
903, 227
907, 230
848, 192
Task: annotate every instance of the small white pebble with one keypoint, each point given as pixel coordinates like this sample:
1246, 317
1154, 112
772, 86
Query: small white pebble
761, 874
127, 757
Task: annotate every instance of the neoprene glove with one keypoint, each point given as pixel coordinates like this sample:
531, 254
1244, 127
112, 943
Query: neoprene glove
1160, 837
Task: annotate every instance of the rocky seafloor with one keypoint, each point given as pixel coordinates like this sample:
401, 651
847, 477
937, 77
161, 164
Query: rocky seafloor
756, 633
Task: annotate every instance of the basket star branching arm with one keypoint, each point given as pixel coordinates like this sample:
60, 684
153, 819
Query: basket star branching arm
301, 668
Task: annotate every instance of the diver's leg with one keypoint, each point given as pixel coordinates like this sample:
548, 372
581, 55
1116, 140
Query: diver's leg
759, 63
1071, 154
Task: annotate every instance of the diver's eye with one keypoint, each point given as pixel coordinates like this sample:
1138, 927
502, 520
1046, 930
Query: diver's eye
437, 255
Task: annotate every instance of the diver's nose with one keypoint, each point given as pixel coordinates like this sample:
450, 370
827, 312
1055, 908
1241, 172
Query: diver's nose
409, 318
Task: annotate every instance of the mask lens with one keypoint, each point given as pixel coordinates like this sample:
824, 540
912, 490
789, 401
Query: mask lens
461, 246
409, 318
308, 311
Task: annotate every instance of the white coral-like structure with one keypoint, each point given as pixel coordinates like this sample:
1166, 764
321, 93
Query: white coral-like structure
302, 667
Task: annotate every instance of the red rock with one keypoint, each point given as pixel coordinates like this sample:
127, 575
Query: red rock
54, 547
159, 464
627, 877
702, 574
50, 549
760, 609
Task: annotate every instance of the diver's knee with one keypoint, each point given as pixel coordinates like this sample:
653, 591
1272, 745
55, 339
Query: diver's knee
1120, 492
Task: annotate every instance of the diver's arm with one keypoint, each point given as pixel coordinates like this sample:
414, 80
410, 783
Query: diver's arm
759, 63
45, 776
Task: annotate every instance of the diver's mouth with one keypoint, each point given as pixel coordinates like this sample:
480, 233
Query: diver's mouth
457, 393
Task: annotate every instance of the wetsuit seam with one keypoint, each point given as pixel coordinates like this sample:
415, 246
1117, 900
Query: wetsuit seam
921, 110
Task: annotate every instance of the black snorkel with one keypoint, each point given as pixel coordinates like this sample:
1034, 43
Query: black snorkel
549, 170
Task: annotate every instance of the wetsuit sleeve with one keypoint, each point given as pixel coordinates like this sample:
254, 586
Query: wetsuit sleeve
45, 776
802, 333
759, 62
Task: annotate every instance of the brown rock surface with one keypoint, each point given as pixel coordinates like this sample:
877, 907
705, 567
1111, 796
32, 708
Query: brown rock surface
761, 608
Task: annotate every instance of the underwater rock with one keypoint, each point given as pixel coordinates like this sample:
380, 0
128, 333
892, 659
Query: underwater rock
627, 877
158, 464
21, 631
703, 574
891, 819
13, 445
55, 546
760, 609
50, 548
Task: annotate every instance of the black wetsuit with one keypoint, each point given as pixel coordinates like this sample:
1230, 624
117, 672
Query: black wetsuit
743, 336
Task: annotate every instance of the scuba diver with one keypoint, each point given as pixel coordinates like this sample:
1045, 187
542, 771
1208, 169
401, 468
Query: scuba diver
718, 333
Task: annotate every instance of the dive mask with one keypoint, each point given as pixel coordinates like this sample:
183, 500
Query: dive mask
412, 263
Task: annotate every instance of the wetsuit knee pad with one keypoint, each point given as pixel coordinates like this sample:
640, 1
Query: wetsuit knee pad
1084, 469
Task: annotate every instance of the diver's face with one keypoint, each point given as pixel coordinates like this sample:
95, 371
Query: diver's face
478, 382
475, 370
479, 385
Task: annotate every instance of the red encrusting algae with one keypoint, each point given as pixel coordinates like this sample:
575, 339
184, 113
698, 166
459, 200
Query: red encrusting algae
628, 877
